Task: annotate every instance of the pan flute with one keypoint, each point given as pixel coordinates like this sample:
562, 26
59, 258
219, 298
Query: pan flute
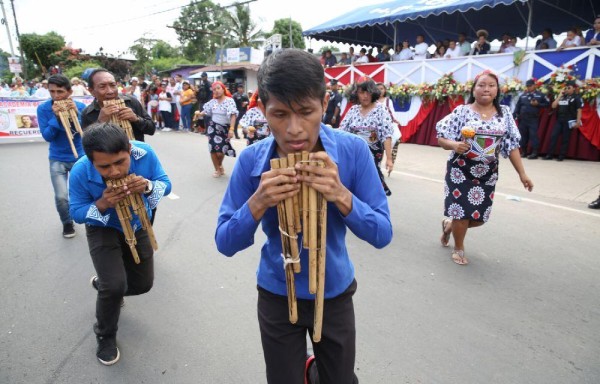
306, 214
132, 204
68, 118
125, 124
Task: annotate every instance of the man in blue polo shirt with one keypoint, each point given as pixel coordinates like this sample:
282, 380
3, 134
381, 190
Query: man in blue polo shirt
110, 156
61, 155
293, 99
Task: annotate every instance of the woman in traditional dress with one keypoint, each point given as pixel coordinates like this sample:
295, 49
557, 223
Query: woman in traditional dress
476, 133
223, 112
372, 122
254, 123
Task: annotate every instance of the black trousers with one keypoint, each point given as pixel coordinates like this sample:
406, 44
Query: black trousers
561, 128
284, 344
237, 123
529, 133
118, 274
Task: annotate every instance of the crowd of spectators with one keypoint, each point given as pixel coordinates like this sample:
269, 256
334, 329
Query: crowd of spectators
452, 48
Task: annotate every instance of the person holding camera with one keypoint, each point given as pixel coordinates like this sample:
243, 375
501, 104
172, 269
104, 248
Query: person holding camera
569, 106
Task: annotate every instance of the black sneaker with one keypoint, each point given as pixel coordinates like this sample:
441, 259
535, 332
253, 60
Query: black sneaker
548, 157
560, 158
68, 230
595, 204
107, 351
94, 284
533, 156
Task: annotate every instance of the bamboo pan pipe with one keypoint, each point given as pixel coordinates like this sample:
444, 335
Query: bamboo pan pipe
310, 208
125, 124
124, 208
67, 115
286, 249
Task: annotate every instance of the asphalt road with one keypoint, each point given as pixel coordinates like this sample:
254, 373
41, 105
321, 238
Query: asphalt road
526, 310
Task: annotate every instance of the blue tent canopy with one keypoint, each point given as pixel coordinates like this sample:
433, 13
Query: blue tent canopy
394, 21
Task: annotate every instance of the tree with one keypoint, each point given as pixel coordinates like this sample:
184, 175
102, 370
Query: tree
209, 19
39, 48
282, 26
77, 70
145, 50
165, 63
243, 31
331, 48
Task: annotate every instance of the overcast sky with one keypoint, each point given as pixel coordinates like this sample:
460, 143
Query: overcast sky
116, 24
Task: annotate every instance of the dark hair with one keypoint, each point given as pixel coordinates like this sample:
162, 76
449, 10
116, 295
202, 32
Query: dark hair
291, 76
548, 31
496, 100
94, 72
367, 85
105, 138
384, 87
60, 81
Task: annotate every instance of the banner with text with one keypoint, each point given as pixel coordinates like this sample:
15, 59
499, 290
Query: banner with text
18, 117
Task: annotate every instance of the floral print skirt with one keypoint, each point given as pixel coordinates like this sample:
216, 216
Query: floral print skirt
218, 142
469, 188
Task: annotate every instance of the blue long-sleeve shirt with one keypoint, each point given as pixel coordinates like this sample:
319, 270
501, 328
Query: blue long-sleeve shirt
53, 132
369, 218
86, 187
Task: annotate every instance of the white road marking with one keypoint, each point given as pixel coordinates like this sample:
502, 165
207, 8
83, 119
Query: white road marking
524, 199
172, 196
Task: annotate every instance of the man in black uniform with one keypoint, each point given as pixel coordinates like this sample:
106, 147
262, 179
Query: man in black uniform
204, 95
241, 103
569, 106
332, 114
527, 112
103, 86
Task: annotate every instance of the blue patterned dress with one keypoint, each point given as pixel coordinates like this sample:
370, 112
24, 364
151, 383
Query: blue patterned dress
471, 178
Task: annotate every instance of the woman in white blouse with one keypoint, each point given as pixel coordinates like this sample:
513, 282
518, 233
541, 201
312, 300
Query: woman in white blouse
371, 121
223, 112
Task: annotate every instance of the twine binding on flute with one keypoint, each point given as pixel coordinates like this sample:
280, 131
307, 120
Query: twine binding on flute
284, 233
288, 260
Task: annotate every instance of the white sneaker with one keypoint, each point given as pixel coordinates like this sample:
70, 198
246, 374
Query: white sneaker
167, 130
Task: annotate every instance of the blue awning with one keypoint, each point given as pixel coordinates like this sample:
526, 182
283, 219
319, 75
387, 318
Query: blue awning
441, 19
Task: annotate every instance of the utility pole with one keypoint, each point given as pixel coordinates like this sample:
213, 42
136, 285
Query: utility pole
291, 41
5, 22
12, 3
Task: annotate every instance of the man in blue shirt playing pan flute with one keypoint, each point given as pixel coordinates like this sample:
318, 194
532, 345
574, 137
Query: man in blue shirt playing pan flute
293, 99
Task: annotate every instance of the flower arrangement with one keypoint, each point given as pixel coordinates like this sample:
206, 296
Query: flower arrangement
590, 90
512, 86
446, 87
401, 92
425, 91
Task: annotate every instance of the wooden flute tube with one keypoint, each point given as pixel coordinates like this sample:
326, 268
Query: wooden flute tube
290, 226
285, 245
73, 114
304, 203
292, 160
321, 258
312, 240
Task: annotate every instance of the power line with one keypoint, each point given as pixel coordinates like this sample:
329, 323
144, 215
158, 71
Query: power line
163, 11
